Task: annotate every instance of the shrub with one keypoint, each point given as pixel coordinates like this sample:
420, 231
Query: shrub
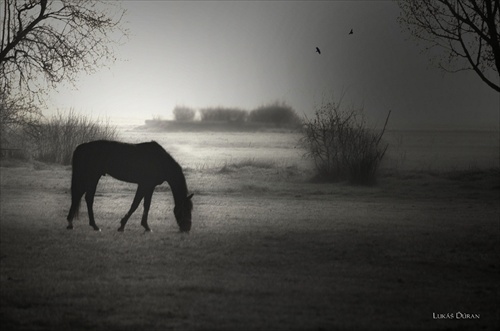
341, 146
223, 114
58, 136
14, 141
276, 113
185, 114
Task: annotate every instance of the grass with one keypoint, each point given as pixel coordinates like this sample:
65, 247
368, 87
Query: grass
265, 252
269, 248
246, 163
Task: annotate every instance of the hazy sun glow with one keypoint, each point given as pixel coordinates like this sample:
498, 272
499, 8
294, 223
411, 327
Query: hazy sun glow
245, 54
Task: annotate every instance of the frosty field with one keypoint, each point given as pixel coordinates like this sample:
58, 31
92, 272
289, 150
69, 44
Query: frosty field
269, 248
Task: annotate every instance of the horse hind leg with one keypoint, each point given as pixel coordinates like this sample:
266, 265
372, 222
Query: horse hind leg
147, 204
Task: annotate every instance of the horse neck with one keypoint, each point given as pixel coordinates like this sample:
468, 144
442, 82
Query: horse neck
177, 183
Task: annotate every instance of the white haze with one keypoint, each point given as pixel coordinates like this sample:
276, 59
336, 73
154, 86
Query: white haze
245, 54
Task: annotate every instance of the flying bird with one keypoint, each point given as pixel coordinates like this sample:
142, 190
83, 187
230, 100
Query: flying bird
351, 32
318, 51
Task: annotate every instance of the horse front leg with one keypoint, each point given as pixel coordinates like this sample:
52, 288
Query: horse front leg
76, 196
147, 204
139, 194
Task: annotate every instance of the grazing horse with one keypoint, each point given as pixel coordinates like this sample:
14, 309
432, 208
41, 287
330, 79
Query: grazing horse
146, 164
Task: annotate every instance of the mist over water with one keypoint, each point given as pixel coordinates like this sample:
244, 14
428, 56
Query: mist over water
408, 149
443, 149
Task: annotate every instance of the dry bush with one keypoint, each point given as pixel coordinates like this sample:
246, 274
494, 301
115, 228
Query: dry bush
341, 146
58, 137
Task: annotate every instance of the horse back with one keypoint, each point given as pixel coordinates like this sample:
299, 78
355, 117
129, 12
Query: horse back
135, 163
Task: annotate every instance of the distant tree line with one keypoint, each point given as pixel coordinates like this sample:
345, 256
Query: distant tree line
278, 114
223, 114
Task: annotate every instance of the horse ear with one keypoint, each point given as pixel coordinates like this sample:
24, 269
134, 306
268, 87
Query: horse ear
190, 196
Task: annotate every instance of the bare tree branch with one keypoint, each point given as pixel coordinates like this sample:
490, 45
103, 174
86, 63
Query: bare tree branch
45, 42
467, 31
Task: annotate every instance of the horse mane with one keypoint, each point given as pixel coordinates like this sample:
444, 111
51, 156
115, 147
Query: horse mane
174, 174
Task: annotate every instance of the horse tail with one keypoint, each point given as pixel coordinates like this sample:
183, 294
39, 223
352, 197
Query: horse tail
77, 180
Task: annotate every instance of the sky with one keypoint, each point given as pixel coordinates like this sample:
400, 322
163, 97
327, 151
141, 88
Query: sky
250, 53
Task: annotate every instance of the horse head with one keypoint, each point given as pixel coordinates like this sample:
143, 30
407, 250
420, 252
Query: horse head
182, 212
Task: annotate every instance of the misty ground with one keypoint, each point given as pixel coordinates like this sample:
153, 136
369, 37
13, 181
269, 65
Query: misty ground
269, 248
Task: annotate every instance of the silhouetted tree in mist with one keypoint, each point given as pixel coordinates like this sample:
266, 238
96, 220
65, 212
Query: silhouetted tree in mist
279, 114
467, 30
182, 113
45, 42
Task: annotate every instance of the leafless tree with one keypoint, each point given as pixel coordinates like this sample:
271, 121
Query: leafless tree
467, 30
45, 42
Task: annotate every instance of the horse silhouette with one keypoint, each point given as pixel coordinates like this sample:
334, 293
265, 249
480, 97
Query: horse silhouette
146, 164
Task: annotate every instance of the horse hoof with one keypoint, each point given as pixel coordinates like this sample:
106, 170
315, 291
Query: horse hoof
69, 227
97, 229
120, 229
148, 230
